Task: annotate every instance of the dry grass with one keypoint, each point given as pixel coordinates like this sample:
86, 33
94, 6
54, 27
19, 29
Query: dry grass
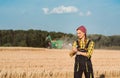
19, 62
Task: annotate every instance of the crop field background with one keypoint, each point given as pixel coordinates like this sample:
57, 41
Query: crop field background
24, 62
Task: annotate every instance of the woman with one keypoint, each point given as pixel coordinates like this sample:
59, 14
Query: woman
83, 48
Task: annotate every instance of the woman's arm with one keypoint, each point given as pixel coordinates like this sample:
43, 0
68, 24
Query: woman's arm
74, 49
90, 50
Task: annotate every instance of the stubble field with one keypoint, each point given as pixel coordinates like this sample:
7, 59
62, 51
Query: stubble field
24, 62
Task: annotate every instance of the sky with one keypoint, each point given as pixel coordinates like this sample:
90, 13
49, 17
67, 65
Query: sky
98, 16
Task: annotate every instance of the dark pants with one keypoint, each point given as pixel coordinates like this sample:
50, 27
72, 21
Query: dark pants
82, 66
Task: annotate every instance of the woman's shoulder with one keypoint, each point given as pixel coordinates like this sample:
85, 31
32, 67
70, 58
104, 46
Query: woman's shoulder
90, 41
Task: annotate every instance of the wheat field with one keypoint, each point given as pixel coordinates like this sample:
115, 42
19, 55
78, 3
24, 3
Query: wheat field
24, 62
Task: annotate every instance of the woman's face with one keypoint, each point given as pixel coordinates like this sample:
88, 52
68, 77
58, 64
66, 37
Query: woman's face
80, 34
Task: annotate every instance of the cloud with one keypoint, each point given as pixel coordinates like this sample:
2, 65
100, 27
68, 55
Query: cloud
81, 14
88, 13
65, 9
46, 10
60, 10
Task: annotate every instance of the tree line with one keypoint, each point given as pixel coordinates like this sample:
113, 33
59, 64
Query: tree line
37, 38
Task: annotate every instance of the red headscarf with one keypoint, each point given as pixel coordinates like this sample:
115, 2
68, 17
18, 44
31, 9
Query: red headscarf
82, 28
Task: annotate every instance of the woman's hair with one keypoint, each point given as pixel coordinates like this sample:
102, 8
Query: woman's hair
85, 39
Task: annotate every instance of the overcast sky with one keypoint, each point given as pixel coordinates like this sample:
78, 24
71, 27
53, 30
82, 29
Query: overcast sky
99, 16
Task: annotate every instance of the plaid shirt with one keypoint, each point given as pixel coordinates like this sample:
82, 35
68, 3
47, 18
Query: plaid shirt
82, 46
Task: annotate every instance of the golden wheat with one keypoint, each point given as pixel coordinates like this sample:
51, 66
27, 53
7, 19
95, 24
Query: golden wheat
24, 62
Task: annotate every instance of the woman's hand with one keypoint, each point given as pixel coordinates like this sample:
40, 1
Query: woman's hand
81, 53
78, 53
74, 49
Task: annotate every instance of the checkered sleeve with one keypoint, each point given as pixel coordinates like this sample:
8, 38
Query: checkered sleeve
90, 49
74, 45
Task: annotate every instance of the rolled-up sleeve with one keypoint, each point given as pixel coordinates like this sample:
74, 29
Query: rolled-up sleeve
90, 49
